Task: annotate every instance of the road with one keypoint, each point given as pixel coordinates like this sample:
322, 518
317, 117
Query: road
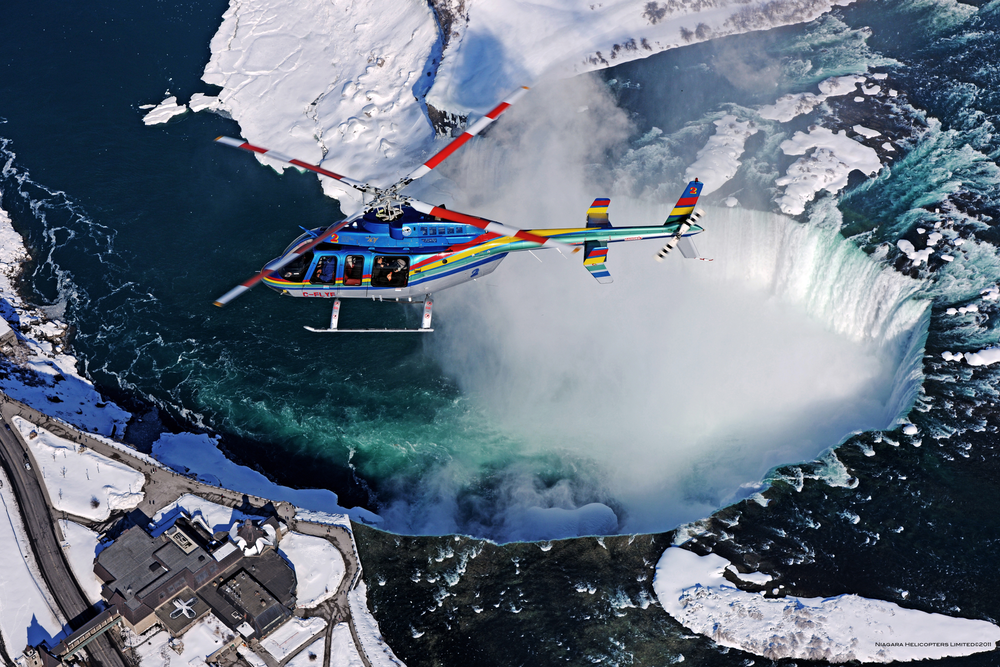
38, 523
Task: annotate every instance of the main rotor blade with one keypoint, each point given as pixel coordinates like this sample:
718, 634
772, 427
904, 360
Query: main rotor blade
281, 262
498, 228
472, 131
237, 143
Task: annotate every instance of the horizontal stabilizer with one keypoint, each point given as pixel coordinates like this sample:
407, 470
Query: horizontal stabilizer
594, 256
597, 214
688, 248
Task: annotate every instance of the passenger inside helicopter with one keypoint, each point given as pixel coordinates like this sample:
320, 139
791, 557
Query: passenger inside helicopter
326, 271
390, 271
353, 270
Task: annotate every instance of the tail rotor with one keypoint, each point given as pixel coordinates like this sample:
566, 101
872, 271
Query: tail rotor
687, 247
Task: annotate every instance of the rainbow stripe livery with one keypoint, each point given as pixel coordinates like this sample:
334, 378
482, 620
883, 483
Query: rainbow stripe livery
400, 248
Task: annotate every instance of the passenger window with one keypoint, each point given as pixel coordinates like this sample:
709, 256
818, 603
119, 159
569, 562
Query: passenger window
326, 271
390, 271
354, 269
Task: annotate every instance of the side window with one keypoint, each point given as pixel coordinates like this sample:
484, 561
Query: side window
295, 270
326, 271
390, 271
354, 269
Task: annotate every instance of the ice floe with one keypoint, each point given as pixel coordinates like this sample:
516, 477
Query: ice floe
788, 107
985, 357
164, 111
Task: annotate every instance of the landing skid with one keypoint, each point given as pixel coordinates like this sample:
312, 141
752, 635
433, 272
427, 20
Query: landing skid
425, 323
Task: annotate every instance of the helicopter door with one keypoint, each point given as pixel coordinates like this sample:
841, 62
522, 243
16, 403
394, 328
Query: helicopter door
354, 270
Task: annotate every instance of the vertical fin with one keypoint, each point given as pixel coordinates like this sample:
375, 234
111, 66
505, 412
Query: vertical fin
685, 205
597, 214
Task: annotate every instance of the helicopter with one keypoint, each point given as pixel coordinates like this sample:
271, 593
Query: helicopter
402, 249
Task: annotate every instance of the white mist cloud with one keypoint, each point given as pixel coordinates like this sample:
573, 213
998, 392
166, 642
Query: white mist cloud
661, 394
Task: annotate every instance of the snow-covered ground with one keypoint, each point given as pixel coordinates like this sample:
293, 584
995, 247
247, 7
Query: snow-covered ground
291, 636
28, 613
693, 590
79, 481
199, 453
81, 546
378, 652
319, 567
310, 656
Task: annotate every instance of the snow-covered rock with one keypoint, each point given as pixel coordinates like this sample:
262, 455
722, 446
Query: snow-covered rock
718, 161
833, 157
693, 590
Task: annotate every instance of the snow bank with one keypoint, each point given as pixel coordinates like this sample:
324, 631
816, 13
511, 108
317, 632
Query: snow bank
319, 567
199, 453
834, 155
324, 518
81, 546
692, 589
718, 161
28, 613
78, 480
215, 517
291, 636
378, 652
